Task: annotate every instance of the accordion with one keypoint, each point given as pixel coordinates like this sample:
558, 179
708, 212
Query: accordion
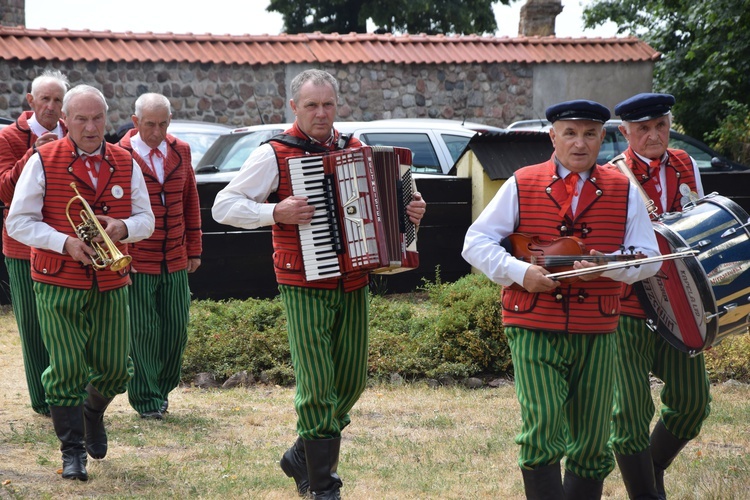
360, 223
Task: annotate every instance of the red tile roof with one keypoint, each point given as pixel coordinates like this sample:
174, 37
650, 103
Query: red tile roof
85, 45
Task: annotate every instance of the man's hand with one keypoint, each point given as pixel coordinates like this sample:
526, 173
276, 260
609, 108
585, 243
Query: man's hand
535, 281
79, 250
293, 210
584, 264
115, 229
44, 139
416, 208
193, 265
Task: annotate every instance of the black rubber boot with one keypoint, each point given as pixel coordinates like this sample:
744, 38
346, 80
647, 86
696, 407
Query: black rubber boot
93, 411
664, 448
294, 465
638, 475
578, 488
543, 483
68, 424
322, 457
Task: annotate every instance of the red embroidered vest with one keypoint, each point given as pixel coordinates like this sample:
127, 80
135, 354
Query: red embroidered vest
588, 307
287, 254
16, 143
679, 170
62, 166
177, 233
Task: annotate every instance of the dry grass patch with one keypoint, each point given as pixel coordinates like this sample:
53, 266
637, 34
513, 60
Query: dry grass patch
405, 442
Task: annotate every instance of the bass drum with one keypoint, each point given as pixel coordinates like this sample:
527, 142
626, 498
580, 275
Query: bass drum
696, 302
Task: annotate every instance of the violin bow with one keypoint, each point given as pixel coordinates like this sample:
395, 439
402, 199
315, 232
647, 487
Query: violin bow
618, 265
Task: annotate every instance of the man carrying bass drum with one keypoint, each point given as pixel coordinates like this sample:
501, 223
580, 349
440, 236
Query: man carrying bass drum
663, 174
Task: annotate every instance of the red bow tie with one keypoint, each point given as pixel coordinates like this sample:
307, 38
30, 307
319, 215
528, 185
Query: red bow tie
91, 161
571, 186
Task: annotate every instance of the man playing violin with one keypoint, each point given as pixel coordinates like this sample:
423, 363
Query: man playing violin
561, 334
664, 175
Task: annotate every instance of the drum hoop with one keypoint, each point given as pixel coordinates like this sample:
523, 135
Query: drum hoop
707, 296
730, 206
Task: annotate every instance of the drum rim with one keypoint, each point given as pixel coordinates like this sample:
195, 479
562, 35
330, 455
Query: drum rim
729, 205
705, 291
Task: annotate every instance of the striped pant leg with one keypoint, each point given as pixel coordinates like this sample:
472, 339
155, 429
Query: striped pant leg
109, 344
311, 315
35, 356
145, 342
633, 409
540, 371
589, 406
66, 333
174, 306
685, 397
350, 352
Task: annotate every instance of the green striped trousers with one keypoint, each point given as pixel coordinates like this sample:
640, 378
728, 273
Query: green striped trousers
328, 340
35, 357
685, 397
564, 384
87, 334
159, 313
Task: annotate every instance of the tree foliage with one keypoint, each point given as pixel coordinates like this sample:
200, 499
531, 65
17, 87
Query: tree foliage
389, 16
705, 47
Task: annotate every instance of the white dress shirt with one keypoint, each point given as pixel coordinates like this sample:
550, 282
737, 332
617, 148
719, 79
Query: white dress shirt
663, 177
242, 202
25, 222
499, 219
39, 130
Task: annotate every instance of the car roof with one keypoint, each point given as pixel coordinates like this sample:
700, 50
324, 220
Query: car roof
198, 126
465, 128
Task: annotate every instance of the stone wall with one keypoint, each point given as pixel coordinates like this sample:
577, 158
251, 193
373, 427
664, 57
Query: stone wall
239, 95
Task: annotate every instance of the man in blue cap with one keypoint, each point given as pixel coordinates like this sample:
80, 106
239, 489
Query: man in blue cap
561, 334
663, 174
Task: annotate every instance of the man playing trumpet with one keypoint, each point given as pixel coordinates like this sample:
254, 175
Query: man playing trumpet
83, 312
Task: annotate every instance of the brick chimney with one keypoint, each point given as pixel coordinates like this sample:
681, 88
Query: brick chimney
538, 17
13, 13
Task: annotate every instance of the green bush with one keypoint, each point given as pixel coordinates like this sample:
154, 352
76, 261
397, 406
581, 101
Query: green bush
446, 329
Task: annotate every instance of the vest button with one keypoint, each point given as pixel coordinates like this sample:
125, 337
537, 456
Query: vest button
613, 311
548, 190
598, 192
44, 271
288, 265
515, 308
558, 296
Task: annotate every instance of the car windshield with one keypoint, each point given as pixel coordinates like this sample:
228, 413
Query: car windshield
702, 158
199, 143
232, 150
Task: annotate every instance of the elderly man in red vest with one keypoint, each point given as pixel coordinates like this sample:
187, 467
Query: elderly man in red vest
561, 334
664, 175
82, 300
327, 319
160, 295
32, 130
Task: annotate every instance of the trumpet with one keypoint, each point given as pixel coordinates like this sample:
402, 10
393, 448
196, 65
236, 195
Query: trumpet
107, 254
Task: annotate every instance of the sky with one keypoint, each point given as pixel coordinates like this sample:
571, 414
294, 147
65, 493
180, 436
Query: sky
220, 17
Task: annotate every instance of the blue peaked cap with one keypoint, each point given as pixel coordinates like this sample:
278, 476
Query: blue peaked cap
580, 109
642, 107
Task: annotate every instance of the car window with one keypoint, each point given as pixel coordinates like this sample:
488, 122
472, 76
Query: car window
456, 144
702, 158
236, 148
609, 149
199, 143
424, 158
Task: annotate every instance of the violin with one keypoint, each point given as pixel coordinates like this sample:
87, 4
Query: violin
558, 254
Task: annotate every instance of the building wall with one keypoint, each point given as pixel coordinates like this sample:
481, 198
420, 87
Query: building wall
495, 94
608, 84
12, 12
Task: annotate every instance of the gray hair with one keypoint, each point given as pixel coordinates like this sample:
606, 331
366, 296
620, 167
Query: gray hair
151, 100
82, 90
318, 77
50, 76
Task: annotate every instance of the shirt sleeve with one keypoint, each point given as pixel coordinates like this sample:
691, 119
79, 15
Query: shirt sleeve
242, 203
482, 247
641, 237
25, 222
141, 222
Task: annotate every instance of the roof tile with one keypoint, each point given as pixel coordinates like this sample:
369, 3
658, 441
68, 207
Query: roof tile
86, 45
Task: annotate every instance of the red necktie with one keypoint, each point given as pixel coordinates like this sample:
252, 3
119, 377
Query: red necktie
90, 161
571, 187
154, 152
655, 166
